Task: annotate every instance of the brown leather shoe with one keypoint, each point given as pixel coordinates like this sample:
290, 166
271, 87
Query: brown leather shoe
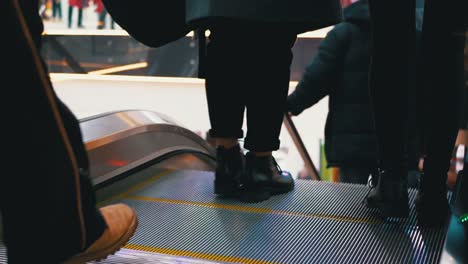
121, 225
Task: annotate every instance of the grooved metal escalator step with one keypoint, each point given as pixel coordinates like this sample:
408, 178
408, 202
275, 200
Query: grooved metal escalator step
318, 222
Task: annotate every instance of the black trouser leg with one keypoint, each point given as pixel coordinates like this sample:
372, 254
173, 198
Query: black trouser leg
442, 51
102, 19
59, 9
393, 41
47, 205
54, 9
80, 17
248, 67
224, 82
357, 175
266, 103
70, 16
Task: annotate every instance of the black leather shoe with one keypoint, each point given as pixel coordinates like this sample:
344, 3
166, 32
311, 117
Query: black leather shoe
229, 169
263, 178
390, 195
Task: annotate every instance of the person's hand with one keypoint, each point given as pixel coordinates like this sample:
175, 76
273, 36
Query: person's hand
421, 164
291, 107
462, 137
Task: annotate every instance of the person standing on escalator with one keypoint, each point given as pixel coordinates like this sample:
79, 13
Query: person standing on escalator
393, 40
248, 58
340, 71
80, 5
47, 202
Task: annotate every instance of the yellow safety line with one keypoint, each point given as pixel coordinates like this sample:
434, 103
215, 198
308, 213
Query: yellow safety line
137, 187
184, 253
254, 209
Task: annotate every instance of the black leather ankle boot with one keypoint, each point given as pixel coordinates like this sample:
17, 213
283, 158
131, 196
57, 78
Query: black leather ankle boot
390, 195
263, 178
229, 169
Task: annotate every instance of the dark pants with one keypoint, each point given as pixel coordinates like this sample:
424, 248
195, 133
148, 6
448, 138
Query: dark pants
248, 68
357, 175
57, 9
47, 201
70, 16
393, 49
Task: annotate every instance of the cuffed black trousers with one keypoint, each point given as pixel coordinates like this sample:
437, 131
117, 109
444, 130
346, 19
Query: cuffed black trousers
248, 68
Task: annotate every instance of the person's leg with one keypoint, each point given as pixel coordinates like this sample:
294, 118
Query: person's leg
112, 22
392, 43
80, 17
225, 93
70, 16
442, 50
248, 63
59, 8
54, 9
48, 204
267, 71
224, 88
101, 20
391, 47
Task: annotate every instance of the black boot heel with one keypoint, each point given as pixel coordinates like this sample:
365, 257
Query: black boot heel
229, 170
390, 195
263, 178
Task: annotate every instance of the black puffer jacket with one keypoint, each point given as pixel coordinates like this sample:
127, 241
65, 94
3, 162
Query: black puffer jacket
340, 70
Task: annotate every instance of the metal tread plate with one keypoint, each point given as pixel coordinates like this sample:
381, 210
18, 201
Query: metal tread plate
317, 222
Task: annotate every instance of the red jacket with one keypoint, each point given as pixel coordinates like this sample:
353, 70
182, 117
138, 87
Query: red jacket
99, 6
78, 3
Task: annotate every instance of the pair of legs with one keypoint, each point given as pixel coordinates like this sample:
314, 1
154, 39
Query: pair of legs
70, 17
393, 56
57, 9
47, 203
248, 69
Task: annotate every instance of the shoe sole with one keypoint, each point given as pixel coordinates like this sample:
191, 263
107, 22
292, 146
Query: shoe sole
111, 250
